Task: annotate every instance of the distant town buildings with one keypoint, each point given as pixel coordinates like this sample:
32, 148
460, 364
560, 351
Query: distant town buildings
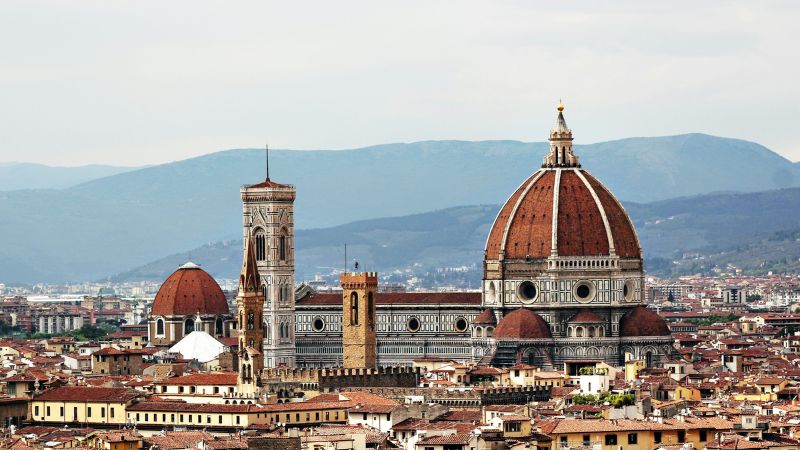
566, 345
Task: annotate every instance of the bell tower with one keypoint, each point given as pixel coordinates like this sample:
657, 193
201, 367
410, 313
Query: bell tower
268, 218
358, 319
250, 311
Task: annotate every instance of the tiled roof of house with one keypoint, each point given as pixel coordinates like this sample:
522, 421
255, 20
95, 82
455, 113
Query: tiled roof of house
450, 439
202, 379
88, 394
398, 298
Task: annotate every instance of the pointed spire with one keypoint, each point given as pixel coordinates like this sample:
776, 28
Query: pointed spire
561, 123
561, 143
249, 280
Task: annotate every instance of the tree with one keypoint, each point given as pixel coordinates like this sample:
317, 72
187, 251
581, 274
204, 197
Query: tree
753, 297
584, 399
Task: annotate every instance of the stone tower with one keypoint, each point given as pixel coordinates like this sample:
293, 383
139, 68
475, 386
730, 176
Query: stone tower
268, 213
358, 319
250, 310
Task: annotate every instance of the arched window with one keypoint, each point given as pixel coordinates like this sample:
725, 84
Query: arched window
218, 326
354, 309
579, 332
188, 326
648, 359
265, 293
251, 320
489, 332
261, 245
282, 250
160, 327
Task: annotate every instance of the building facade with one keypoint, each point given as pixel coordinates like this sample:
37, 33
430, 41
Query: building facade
407, 326
563, 281
268, 218
563, 271
189, 300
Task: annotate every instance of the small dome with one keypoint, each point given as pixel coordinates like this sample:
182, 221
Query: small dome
641, 321
189, 290
485, 318
522, 323
586, 316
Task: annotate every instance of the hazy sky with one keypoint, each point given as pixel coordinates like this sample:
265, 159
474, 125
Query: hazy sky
147, 82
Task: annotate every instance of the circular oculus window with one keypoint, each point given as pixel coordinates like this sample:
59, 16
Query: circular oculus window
413, 324
461, 325
628, 290
527, 291
584, 291
318, 324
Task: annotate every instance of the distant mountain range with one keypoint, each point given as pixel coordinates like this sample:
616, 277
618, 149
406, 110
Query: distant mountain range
755, 231
15, 176
108, 225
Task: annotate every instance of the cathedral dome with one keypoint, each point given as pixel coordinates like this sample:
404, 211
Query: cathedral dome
589, 221
522, 323
641, 321
561, 210
189, 290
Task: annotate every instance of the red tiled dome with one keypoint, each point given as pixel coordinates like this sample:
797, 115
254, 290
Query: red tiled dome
524, 226
522, 323
189, 290
641, 321
487, 317
586, 316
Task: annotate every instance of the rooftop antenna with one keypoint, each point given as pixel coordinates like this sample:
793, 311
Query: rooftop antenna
267, 160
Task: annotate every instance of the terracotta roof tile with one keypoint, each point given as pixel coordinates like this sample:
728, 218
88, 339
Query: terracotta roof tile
522, 323
486, 317
399, 298
189, 291
88, 394
495, 240
641, 321
586, 316
202, 379
267, 183
581, 230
